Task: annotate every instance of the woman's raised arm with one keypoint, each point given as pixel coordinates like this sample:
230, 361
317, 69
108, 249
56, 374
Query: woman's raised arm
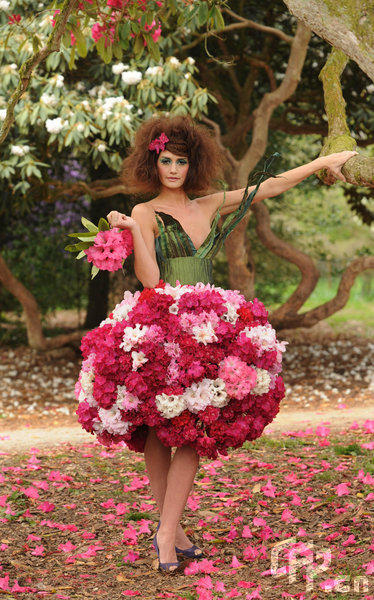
284, 181
141, 226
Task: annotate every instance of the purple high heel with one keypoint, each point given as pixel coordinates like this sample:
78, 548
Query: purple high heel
193, 552
164, 567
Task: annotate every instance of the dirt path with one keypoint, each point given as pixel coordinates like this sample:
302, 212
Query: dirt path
20, 440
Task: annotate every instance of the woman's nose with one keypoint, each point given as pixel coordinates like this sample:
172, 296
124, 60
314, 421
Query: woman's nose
173, 167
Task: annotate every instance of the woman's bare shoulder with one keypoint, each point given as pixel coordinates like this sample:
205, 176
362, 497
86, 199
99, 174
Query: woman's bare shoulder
144, 214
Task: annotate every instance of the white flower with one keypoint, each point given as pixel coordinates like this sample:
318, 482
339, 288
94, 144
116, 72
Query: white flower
126, 400
55, 125
58, 80
85, 104
204, 333
231, 315
48, 99
170, 406
138, 359
79, 126
262, 382
131, 77
154, 70
174, 61
111, 421
132, 336
13, 66
4, 4
2, 114
190, 60
128, 118
20, 150
188, 76
118, 68
80, 86
220, 397
101, 147
123, 308
199, 395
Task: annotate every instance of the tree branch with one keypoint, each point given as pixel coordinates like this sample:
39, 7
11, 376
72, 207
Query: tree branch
311, 317
25, 71
217, 134
360, 169
266, 29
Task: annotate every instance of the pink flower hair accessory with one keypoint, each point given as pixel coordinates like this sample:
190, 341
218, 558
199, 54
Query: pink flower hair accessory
159, 143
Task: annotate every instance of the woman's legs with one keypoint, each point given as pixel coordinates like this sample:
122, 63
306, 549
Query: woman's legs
171, 482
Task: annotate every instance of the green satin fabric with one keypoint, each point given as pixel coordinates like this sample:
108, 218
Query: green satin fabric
188, 270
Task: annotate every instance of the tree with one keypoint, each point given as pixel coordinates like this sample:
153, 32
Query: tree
264, 54
54, 107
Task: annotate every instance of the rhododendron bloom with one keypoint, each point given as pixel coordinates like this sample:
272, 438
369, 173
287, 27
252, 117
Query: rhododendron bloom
110, 249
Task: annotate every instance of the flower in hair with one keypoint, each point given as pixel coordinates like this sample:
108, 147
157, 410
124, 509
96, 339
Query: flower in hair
158, 144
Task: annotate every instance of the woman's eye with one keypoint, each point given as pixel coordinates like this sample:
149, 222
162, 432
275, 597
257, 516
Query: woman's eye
182, 161
165, 161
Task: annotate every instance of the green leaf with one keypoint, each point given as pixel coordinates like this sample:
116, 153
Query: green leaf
218, 19
72, 57
89, 225
94, 271
78, 247
103, 224
138, 47
124, 31
81, 254
80, 41
203, 13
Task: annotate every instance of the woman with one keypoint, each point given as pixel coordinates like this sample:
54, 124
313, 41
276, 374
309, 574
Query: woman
175, 238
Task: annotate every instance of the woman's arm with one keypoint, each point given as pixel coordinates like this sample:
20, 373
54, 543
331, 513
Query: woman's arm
283, 182
141, 226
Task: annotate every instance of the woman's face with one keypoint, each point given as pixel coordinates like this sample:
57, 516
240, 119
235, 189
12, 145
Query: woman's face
172, 169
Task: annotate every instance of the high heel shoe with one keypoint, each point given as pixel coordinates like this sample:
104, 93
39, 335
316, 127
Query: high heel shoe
165, 567
193, 552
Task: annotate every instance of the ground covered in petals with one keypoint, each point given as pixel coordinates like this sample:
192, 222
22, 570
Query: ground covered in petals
287, 516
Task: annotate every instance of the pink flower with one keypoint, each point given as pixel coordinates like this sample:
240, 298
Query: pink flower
110, 248
38, 551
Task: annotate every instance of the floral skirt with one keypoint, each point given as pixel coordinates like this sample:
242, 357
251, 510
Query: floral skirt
198, 363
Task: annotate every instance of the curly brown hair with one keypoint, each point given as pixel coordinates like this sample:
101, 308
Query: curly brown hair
186, 138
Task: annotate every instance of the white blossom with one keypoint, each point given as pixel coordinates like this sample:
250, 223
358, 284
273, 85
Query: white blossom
204, 333
170, 406
55, 125
111, 421
154, 70
190, 60
85, 104
20, 150
4, 4
132, 336
48, 99
131, 77
119, 68
138, 359
2, 114
101, 147
262, 382
58, 80
174, 61
79, 126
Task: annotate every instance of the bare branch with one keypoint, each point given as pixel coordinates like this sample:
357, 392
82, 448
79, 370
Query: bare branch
241, 24
311, 317
272, 30
217, 134
308, 270
25, 72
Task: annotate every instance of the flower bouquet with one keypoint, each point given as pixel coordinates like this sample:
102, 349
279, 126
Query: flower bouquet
198, 363
105, 248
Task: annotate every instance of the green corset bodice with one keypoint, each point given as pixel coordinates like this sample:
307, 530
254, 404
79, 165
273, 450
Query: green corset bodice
177, 257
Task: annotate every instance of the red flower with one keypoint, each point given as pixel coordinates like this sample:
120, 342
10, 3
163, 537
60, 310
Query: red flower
13, 19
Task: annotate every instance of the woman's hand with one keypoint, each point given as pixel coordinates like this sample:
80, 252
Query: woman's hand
117, 219
334, 162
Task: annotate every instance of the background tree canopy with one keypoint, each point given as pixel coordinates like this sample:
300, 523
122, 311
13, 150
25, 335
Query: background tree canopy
249, 71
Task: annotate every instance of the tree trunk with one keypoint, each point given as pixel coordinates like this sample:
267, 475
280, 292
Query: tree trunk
35, 334
347, 25
241, 266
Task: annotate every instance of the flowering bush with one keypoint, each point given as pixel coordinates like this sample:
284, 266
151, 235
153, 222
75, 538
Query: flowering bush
105, 248
198, 363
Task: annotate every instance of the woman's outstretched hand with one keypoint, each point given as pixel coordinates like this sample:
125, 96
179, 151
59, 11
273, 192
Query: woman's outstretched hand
335, 162
117, 219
